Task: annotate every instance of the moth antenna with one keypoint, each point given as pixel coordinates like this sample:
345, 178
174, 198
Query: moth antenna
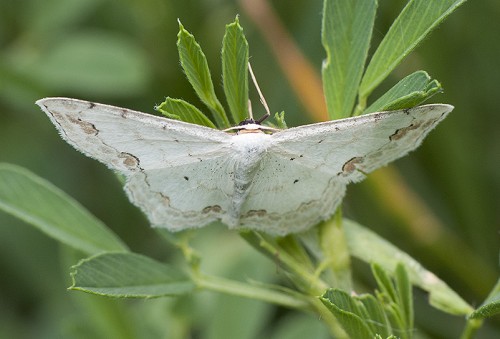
250, 113
262, 100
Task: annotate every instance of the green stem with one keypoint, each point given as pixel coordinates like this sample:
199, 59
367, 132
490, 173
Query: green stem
299, 302
335, 251
360, 107
311, 283
471, 328
245, 290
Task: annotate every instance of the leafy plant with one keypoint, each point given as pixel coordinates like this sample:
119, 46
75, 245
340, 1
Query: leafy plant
317, 263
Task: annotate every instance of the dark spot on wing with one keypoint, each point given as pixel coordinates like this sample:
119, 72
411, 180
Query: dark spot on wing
400, 133
319, 142
296, 181
256, 213
91, 105
350, 166
87, 127
214, 208
291, 159
129, 160
124, 113
186, 178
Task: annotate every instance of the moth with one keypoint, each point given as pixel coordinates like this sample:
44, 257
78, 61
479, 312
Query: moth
254, 177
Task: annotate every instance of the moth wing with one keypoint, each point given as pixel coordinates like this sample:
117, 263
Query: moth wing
287, 196
355, 146
303, 177
169, 164
127, 140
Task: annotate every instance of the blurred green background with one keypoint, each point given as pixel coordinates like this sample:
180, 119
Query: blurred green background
124, 53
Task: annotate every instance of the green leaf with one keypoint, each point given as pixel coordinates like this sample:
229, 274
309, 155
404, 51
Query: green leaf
235, 70
181, 110
346, 33
39, 203
349, 311
129, 275
396, 296
405, 295
376, 318
280, 120
491, 305
384, 282
365, 313
195, 66
301, 269
414, 23
409, 92
369, 247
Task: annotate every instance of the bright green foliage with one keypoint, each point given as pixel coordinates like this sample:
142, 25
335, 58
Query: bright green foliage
365, 316
39, 203
235, 70
129, 275
350, 311
280, 120
396, 297
195, 66
491, 305
179, 109
415, 22
409, 92
371, 248
347, 29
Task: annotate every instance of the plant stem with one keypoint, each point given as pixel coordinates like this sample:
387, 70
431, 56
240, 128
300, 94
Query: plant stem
237, 288
298, 301
335, 251
471, 328
309, 282
360, 107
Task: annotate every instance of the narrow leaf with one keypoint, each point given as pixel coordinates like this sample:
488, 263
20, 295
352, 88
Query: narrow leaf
394, 294
369, 247
491, 305
409, 92
377, 320
235, 70
405, 295
181, 110
346, 34
347, 311
415, 22
280, 120
39, 203
195, 66
129, 275
384, 282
